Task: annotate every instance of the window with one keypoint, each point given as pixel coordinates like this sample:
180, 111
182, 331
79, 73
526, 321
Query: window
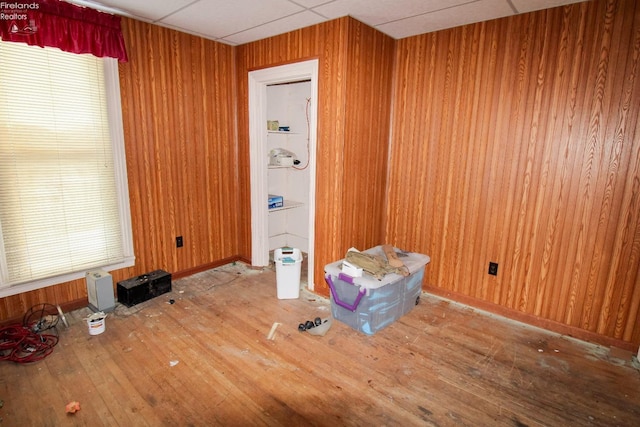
64, 204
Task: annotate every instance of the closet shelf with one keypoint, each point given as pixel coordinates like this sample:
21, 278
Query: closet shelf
284, 132
287, 204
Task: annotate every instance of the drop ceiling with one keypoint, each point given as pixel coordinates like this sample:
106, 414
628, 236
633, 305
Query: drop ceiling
236, 22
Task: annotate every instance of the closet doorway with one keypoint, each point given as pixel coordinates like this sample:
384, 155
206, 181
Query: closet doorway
282, 138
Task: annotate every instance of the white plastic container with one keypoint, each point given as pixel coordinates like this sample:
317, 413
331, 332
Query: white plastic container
288, 266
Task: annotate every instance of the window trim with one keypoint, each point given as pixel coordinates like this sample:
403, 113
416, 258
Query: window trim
114, 109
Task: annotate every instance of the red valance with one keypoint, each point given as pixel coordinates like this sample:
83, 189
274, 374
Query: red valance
63, 25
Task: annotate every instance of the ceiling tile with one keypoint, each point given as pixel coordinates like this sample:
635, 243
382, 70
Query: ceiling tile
310, 3
446, 18
381, 11
523, 6
140, 8
220, 18
281, 26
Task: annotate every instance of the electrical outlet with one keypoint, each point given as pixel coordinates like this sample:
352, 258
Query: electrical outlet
493, 268
179, 242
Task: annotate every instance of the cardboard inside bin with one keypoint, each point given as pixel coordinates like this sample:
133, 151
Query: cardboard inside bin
413, 261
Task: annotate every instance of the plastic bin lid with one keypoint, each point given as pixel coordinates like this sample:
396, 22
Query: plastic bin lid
413, 261
287, 255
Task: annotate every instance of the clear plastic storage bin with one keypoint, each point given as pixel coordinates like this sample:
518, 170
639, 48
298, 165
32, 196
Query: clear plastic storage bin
368, 304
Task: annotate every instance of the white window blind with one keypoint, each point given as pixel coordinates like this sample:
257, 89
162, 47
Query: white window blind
64, 206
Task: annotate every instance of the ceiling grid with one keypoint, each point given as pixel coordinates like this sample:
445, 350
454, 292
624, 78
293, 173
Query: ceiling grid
242, 21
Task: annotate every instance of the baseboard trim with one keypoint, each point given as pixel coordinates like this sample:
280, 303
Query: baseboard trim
532, 320
204, 267
65, 307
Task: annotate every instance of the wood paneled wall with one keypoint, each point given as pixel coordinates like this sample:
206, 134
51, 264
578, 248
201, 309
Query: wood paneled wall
516, 141
355, 68
178, 97
178, 105
369, 77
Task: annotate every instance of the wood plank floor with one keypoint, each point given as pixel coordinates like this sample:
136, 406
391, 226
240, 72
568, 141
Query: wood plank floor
206, 360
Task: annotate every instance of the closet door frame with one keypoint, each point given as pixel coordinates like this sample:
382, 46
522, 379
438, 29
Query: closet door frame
258, 82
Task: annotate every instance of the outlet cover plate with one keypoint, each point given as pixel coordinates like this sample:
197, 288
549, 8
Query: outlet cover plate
493, 268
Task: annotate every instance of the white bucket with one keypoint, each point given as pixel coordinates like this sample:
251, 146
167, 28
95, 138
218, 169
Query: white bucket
96, 323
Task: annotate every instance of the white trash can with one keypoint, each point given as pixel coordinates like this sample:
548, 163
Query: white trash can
288, 266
